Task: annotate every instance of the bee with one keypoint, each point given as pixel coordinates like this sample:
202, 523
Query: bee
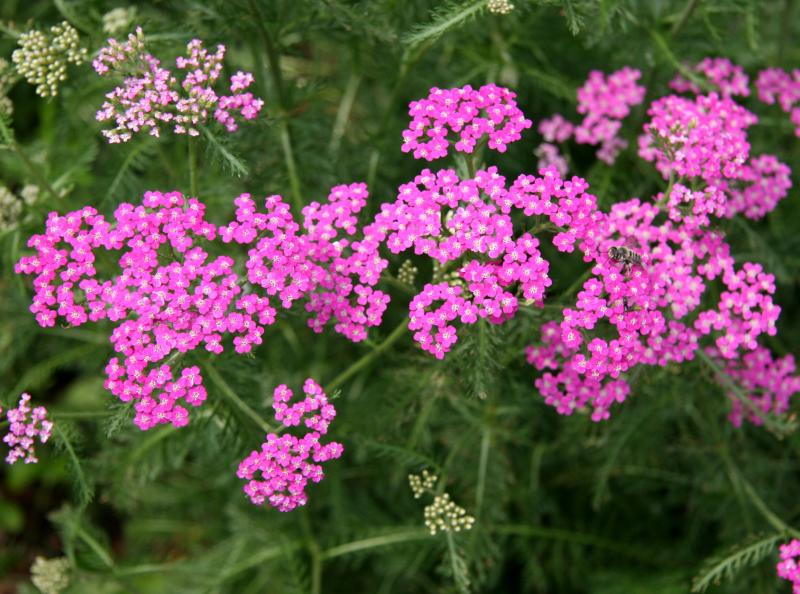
625, 255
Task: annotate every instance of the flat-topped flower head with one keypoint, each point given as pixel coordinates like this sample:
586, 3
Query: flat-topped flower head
489, 113
279, 472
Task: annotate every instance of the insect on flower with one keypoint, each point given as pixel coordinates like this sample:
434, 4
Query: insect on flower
625, 255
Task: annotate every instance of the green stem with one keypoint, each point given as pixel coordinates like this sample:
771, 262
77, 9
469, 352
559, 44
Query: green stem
228, 392
684, 18
98, 549
12, 143
343, 113
771, 517
192, 167
376, 542
315, 553
273, 58
367, 358
80, 414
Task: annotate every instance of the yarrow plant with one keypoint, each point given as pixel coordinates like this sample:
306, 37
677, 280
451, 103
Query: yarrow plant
151, 96
279, 472
26, 426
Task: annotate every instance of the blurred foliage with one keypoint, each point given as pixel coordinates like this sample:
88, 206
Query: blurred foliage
641, 503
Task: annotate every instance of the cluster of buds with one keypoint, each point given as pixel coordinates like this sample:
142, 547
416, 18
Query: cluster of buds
422, 483
7, 78
50, 576
43, 58
443, 515
11, 205
407, 273
118, 19
500, 6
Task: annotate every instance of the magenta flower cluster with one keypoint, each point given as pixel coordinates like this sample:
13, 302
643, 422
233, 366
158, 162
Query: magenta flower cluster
471, 114
26, 426
151, 96
788, 567
778, 86
655, 309
727, 78
279, 472
604, 101
768, 382
171, 297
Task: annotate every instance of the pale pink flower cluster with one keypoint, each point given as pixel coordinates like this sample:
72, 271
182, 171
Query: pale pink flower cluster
25, 427
151, 96
768, 382
726, 77
776, 85
550, 156
788, 567
279, 472
471, 114
605, 101
171, 297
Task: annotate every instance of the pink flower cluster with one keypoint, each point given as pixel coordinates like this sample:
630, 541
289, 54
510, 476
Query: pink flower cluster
776, 85
471, 114
151, 96
728, 79
279, 472
788, 567
24, 430
445, 218
704, 137
768, 382
337, 274
605, 102
637, 314
171, 297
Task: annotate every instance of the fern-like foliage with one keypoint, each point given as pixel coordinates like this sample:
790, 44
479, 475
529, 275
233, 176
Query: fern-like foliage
727, 565
445, 19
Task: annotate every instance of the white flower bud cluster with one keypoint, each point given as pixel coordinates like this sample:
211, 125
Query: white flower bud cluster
43, 58
443, 515
7, 78
500, 6
422, 483
51, 576
119, 20
407, 273
11, 205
